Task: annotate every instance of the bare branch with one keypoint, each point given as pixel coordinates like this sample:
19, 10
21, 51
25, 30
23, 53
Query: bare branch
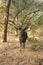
27, 22
29, 14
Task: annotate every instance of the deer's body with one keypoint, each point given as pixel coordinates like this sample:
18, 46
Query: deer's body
23, 38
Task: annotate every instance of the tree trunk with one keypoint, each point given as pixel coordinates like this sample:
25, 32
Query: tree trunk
6, 16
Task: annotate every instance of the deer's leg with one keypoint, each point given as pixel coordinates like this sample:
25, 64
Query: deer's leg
23, 45
20, 44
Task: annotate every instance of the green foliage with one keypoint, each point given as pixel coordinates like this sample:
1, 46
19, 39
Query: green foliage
32, 40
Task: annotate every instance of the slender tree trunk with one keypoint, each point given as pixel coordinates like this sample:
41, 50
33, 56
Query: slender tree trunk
6, 16
16, 20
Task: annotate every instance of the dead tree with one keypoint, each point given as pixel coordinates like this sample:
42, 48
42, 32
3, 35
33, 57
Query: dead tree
6, 16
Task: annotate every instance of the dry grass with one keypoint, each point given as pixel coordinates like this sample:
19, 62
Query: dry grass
10, 53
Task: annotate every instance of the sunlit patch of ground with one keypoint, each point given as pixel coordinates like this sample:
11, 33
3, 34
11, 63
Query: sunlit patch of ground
10, 53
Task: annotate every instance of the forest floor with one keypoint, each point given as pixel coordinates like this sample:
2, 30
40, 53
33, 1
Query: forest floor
10, 53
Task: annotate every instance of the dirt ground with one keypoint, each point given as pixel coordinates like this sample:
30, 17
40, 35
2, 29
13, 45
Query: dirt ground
10, 53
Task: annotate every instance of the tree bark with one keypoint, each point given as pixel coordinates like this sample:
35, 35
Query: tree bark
6, 16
